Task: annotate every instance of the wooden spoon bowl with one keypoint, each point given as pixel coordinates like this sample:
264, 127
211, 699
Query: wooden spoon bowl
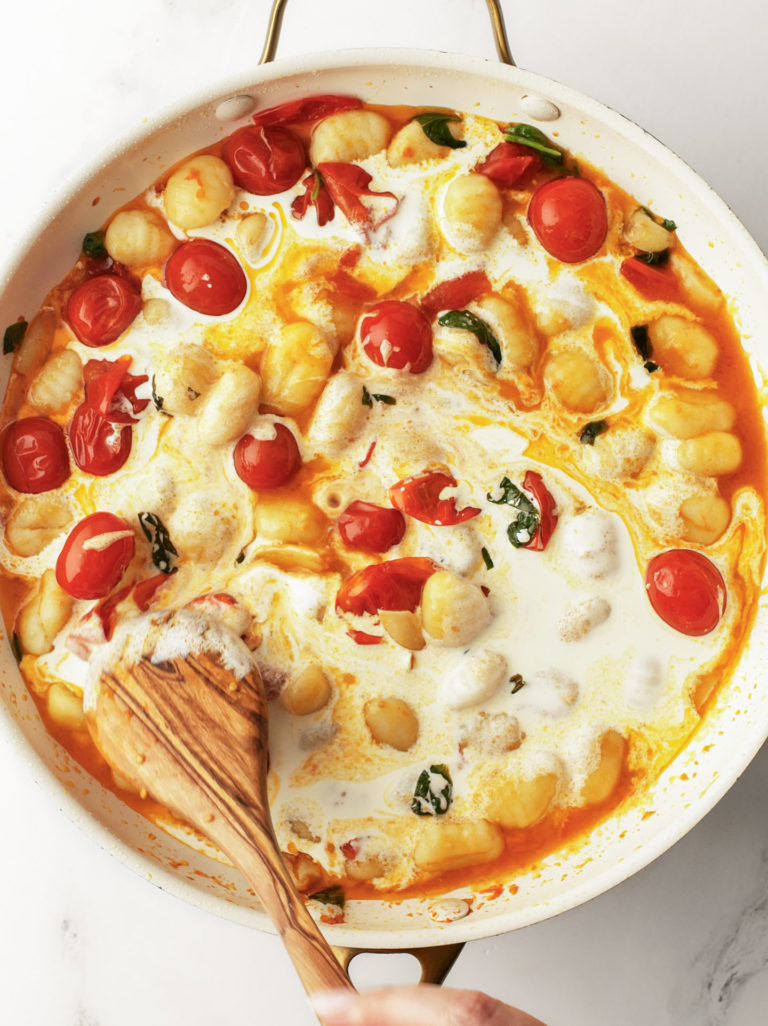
191, 730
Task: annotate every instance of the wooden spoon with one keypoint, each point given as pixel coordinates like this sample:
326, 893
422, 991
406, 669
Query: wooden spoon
193, 733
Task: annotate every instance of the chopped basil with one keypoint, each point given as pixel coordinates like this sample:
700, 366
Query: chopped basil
14, 333
157, 535
650, 366
240, 557
653, 259
517, 682
158, 400
665, 222
591, 431
93, 245
486, 558
528, 135
526, 523
641, 341
330, 896
368, 398
466, 320
434, 792
435, 127
16, 648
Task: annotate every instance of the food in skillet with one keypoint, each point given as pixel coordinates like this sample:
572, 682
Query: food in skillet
448, 427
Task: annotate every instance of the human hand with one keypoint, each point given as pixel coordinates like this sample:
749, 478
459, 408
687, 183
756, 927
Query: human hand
424, 1005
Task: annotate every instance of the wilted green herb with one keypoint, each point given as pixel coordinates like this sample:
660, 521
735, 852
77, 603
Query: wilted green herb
591, 431
641, 341
466, 320
379, 397
18, 652
486, 558
93, 245
653, 259
525, 525
157, 535
435, 127
14, 333
528, 135
434, 791
330, 896
517, 682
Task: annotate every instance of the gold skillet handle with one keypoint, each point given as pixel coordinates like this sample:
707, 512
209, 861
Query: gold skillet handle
436, 962
494, 12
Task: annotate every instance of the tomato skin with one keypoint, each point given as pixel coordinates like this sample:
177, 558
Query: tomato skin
534, 483
265, 159
686, 590
397, 335
35, 457
455, 294
267, 462
371, 528
394, 584
419, 497
653, 282
569, 218
311, 108
98, 446
91, 573
206, 277
101, 309
508, 163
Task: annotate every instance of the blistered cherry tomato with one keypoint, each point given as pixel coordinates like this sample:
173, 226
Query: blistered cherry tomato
35, 457
99, 446
569, 218
101, 309
267, 462
363, 525
95, 556
395, 584
686, 590
508, 163
396, 334
265, 160
419, 497
206, 277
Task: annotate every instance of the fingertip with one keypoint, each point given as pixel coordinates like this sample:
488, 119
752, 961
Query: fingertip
334, 1007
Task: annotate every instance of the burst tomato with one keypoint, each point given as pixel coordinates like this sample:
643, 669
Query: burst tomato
35, 457
686, 590
265, 159
98, 446
371, 528
569, 218
395, 584
101, 309
267, 462
419, 497
206, 277
95, 556
397, 335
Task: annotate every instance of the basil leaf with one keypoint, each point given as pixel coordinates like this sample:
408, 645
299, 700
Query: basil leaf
469, 322
158, 400
666, 223
512, 496
14, 333
653, 259
650, 366
330, 896
528, 135
93, 245
591, 431
526, 523
18, 651
434, 792
522, 529
240, 557
641, 341
435, 127
517, 682
669, 225
157, 535
368, 398
486, 558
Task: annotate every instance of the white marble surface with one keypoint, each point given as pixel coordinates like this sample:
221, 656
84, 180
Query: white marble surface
84, 942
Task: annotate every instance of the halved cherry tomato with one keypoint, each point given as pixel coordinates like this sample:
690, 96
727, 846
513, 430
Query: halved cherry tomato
456, 293
109, 389
206, 277
419, 497
363, 525
569, 218
653, 282
267, 462
534, 483
508, 162
101, 309
311, 108
395, 584
95, 556
686, 590
265, 160
35, 457
99, 446
397, 334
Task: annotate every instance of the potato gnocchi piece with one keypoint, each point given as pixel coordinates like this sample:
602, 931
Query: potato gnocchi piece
476, 679
578, 380
473, 209
698, 286
138, 237
295, 368
683, 347
43, 616
602, 781
36, 521
518, 346
339, 416
490, 734
520, 802
288, 519
392, 722
252, 234
705, 518
686, 413
184, 378
36, 344
229, 406
621, 452
403, 627
443, 846
198, 192
306, 692
349, 136
453, 610
57, 383
65, 708
711, 455
411, 145
590, 543
200, 528
642, 232
581, 617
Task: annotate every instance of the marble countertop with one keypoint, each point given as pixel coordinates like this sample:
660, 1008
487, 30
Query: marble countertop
85, 942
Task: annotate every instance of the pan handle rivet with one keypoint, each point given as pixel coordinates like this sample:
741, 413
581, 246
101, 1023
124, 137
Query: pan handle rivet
539, 108
235, 107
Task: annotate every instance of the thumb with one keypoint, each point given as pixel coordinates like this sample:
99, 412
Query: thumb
423, 1005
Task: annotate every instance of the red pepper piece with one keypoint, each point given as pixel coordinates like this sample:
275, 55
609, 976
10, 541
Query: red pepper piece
348, 186
534, 483
455, 294
507, 164
311, 108
419, 497
394, 584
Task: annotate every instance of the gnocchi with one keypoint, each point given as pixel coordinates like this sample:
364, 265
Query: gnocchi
683, 347
295, 368
138, 237
58, 382
198, 192
349, 136
473, 211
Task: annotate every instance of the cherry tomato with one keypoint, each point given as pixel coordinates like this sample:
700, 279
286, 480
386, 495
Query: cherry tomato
395, 584
419, 497
95, 556
371, 528
508, 162
267, 462
569, 218
686, 590
265, 159
311, 108
35, 457
102, 308
534, 483
396, 334
653, 282
456, 293
99, 446
206, 277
